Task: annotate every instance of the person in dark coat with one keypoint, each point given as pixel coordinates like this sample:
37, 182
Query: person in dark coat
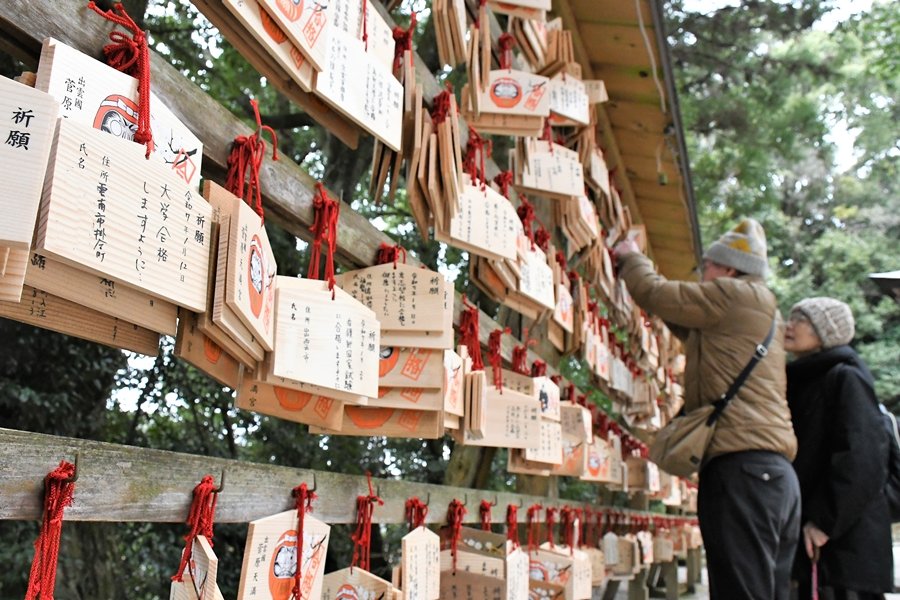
842, 456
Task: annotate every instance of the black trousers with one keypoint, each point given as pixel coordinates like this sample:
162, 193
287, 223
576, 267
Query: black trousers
749, 508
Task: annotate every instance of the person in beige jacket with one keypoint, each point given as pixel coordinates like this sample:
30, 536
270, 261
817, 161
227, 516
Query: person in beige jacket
749, 502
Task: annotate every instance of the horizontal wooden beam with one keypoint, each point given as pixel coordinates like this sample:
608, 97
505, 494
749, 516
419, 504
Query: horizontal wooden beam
633, 116
611, 11
126, 483
618, 44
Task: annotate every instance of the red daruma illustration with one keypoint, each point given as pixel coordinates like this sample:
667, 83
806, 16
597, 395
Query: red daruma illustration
292, 400
506, 92
256, 276
283, 566
292, 9
271, 27
387, 360
117, 115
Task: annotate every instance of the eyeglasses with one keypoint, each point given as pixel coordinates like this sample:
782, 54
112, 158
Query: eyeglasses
797, 318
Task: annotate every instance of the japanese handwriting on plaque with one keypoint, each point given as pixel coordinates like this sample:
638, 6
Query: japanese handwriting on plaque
271, 557
124, 217
486, 224
94, 94
27, 122
421, 564
569, 100
333, 344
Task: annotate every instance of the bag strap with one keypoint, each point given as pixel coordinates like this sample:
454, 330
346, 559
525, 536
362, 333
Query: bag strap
760, 353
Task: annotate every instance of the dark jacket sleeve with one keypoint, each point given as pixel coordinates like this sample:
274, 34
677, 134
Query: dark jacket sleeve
686, 305
857, 467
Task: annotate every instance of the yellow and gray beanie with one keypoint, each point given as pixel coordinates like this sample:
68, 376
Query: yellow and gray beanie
743, 248
831, 319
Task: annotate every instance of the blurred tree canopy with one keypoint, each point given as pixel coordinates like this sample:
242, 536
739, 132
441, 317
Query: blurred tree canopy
767, 97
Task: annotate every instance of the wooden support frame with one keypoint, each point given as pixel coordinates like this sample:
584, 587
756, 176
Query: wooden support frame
125, 483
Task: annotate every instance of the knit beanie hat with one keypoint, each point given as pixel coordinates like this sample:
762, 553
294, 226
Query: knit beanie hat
743, 248
831, 319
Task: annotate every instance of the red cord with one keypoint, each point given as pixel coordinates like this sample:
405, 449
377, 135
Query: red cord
365, 19
469, 336
403, 42
527, 216
495, 358
200, 519
131, 56
440, 107
478, 150
551, 521
512, 525
324, 228
416, 511
506, 42
247, 152
532, 526
59, 492
390, 254
538, 368
456, 511
484, 511
520, 360
362, 537
504, 179
567, 524
303, 505
542, 238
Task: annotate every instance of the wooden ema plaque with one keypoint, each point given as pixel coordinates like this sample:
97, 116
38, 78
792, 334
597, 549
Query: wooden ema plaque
576, 439
271, 37
369, 421
596, 91
28, 124
483, 554
456, 367
414, 306
420, 565
47, 311
204, 354
486, 224
330, 343
511, 420
199, 577
564, 311
549, 450
93, 94
599, 461
270, 557
516, 8
220, 321
408, 398
250, 268
579, 583
512, 92
540, 388
555, 174
629, 553
643, 475
112, 213
517, 463
550, 570
359, 86
597, 175
289, 404
536, 279
569, 104
354, 583
14, 269
306, 26
419, 368
346, 16
101, 294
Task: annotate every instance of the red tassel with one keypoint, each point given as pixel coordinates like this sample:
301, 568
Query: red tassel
59, 492
495, 358
456, 512
403, 42
506, 41
539, 368
527, 216
532, 526
469, 336
440, 107
478, 150
247, 152
130, 56
512, 525
362, 537
504, 179
416, 511
304, 498
520, 360
324, 228
390, 254
484, 511
200, 519
551, 521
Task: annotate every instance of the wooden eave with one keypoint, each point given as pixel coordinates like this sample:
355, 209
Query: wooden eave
640, 129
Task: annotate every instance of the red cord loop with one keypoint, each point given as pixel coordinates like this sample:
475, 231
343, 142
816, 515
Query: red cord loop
456, 512
469, 334
390, 254
304, 498
532, 526
484, 511
478, 150
200, 519
416, 511
403, 41
440, 107
495, 358
247, 153
362, 537
538, 368
527, 216
506, 41
130, 56
520, 360
504, 179
512, 525
59, 492
324, 228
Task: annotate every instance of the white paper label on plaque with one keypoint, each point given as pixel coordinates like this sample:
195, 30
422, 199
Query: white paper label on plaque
346, 16
517, 565
421, 560
569, 99
305, 22
404, 297
549, 448
27, 124
557, 172
94, 94
486, 220
596, 91
589, 215
536, 278
270, 557
333, 344
360, 87
112, 212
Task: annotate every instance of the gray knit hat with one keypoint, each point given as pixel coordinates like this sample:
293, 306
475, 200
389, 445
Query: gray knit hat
831, 319
743, 248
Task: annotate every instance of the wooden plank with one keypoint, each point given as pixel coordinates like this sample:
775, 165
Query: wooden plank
655, 192
47, 311
646, 168
618, 44
127, 483
627, 83
638, 143
610, 11
637, 117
